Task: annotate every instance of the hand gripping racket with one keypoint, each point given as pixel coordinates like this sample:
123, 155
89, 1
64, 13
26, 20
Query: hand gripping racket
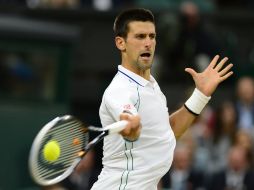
72, 139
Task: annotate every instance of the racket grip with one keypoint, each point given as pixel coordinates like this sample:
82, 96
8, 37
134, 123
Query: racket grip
116, 127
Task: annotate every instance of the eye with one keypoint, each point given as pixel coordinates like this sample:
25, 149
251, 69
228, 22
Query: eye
140, 36
152, 36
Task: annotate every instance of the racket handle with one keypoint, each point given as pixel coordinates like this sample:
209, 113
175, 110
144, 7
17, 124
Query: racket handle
116, 127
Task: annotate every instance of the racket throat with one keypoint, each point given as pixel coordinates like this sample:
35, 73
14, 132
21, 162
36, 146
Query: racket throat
95, 141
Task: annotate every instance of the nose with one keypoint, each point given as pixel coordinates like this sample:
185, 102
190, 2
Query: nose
148, 42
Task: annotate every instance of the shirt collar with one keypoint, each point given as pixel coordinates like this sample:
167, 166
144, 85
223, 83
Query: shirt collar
133, 76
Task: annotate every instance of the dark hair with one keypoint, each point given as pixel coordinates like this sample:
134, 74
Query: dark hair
124, 18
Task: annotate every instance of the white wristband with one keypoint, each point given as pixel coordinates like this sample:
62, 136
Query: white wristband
196, 103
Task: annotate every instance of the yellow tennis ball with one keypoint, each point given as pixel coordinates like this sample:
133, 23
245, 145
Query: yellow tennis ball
51, 151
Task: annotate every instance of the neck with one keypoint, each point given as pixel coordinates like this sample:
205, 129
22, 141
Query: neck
141, 72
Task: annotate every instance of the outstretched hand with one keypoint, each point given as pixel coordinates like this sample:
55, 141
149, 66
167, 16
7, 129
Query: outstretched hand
212, 76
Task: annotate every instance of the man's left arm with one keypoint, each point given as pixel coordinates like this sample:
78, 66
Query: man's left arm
206, 83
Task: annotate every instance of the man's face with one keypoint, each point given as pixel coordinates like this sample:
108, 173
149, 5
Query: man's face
140, 44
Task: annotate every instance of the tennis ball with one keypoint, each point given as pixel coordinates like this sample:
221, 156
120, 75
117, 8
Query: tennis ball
51, 151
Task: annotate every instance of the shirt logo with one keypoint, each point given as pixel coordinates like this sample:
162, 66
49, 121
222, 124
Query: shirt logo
127, 107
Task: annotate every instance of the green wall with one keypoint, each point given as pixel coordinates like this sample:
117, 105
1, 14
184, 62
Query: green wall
19, 124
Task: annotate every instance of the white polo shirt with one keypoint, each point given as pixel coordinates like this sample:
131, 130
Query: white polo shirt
139, 164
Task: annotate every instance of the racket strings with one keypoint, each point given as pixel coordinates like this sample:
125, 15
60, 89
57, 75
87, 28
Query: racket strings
64, 133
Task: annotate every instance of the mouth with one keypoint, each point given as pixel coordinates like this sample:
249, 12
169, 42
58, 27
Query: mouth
146, 55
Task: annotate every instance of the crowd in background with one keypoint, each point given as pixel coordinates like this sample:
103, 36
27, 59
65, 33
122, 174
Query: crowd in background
216, 153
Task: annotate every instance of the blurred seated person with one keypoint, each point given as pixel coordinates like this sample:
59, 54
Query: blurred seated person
201, 132
238, 175
245, 103
244, 139
223, 136
182, 176
105, 5
53, 4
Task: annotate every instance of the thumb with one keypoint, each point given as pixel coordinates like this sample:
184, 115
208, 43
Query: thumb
191, 72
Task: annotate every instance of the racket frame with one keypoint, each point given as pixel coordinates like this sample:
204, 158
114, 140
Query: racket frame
36, 146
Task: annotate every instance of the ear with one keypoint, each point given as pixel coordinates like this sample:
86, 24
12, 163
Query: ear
120, 43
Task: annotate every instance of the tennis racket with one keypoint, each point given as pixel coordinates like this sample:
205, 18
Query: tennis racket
72, 139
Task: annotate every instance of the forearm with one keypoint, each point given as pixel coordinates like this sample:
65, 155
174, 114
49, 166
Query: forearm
184, 117
181, 120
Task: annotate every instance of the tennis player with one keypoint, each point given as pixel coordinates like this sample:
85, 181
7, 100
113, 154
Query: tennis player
137, 158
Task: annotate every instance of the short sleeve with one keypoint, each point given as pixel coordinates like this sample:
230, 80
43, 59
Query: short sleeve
119, 100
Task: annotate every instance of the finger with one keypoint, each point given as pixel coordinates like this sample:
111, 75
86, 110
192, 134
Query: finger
214, 61
220, 65
136, 119
124, 116
225, 70
191, 72
226, 76
126, 131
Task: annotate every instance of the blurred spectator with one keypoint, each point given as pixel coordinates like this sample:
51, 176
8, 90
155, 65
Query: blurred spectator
182, 176
102, 5
224, 132
244, 139
245, 103
17, 75
157, 5
237, 175
105, 5
193, 47
201, 132
55, 4
225, 123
